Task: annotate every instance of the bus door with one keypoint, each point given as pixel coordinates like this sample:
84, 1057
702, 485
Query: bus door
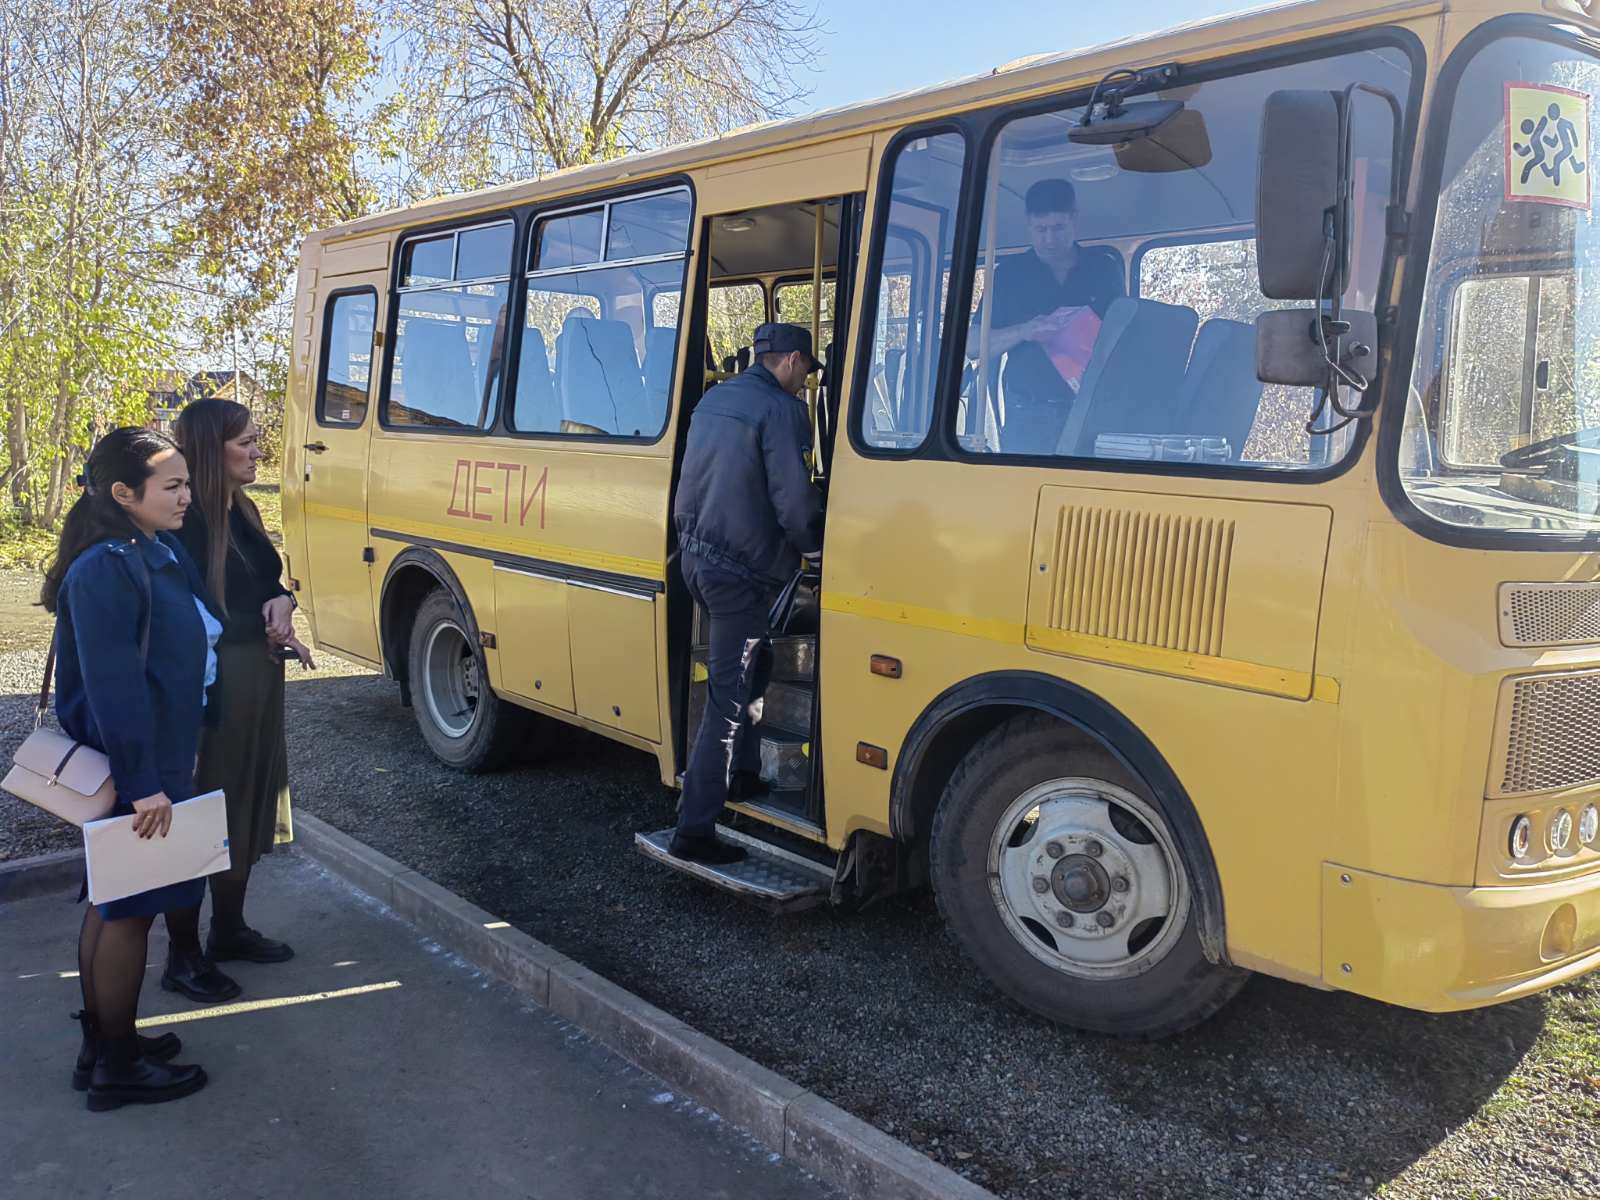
334, 451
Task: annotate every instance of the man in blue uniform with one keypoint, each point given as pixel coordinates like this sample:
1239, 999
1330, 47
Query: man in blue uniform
1040, 300
745, 512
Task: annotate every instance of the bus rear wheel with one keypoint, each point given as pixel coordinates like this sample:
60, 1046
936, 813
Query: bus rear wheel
463, 722
1059, 875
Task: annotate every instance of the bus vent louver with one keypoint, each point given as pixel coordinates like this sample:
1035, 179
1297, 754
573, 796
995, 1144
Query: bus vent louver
1155, 579
1550, 732
1549, 614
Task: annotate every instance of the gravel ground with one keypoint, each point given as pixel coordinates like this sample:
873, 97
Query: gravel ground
1287, 1093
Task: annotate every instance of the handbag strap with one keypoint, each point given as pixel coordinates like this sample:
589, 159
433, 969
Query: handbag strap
55, 637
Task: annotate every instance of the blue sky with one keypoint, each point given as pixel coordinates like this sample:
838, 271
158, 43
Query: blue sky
877, 47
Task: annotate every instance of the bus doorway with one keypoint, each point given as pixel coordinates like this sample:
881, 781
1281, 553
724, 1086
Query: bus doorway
788, 263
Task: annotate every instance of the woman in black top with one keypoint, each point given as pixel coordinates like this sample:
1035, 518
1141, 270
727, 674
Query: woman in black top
245, 754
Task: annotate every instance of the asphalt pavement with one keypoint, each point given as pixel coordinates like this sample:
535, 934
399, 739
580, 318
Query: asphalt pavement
374, 1063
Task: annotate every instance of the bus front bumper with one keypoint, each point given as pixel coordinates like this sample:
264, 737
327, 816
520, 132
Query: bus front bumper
1440, 949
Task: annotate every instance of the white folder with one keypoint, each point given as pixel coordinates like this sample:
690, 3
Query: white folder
121, 862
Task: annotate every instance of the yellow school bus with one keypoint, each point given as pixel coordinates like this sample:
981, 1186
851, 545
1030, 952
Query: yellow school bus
1235, 610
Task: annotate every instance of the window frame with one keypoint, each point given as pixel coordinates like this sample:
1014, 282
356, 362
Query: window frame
374, 358
867, 309
392, 319
532, 215
1391, 418
981, 128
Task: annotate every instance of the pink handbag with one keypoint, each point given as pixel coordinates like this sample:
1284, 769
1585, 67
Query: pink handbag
64, 777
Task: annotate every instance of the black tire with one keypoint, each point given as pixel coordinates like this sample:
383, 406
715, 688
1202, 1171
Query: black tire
1175, 989
469, 727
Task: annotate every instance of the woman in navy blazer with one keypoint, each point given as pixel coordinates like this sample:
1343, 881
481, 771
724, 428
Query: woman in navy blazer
134, 648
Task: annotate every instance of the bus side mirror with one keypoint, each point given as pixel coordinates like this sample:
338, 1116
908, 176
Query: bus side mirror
1300, 244
1297, 347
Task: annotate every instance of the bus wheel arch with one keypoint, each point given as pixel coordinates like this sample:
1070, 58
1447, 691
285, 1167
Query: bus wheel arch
427, 618
956, 721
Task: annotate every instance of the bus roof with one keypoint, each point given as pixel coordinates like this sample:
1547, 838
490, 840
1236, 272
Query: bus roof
1266, 25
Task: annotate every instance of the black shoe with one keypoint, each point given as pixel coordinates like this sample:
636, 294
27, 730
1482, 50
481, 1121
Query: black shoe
705, 850
152, 1049
121, 1076
746, 786
245, 943
197, 977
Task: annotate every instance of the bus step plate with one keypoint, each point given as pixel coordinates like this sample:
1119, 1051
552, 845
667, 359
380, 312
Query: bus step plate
787, 706
794, 659
785, 760
770, 877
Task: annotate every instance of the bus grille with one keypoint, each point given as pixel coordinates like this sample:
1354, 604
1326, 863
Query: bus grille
1549, 614
1550, 732
1153, 578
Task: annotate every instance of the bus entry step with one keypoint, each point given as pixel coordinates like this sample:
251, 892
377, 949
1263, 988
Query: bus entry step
770, 877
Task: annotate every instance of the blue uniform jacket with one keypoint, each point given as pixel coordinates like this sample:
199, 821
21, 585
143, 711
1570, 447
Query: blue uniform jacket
145, 717
745, 501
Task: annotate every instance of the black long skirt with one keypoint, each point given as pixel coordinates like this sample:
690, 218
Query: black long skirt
245, 753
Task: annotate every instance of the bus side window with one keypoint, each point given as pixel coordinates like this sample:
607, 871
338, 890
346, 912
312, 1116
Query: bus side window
347, 363
907, 324
450, 329
596, 359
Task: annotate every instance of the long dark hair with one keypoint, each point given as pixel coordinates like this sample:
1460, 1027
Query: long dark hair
122, 456
204, 429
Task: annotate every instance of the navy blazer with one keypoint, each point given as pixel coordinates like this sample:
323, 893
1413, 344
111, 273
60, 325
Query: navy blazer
745, 500
144, 716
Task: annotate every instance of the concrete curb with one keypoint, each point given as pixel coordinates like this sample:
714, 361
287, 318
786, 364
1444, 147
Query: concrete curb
859, 1159
39, 876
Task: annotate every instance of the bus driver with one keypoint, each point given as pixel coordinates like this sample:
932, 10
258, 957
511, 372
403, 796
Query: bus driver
1048, 305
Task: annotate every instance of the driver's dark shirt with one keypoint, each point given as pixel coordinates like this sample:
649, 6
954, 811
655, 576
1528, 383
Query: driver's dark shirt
1025, 288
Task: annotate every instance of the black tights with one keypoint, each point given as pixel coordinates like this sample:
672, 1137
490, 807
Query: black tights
111, 962
227, 899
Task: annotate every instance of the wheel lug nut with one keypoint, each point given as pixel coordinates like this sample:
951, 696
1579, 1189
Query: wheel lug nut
1093, 849
1104, 919
1041, 884
1064, 920
1054, 849
1119, 884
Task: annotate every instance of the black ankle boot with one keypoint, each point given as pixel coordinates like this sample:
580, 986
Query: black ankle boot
123, 1076
197, 977
156, 1049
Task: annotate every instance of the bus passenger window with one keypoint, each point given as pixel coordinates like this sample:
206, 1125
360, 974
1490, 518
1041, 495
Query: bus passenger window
347, 359
600, 327
1068, 358
907, 328
733, 313
450, 330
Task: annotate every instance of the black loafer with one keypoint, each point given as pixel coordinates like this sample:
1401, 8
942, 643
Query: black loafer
708, 850
197, 977
246, 944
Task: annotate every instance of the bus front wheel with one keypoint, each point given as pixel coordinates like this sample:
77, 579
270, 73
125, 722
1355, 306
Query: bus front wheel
1059, 875
463, 722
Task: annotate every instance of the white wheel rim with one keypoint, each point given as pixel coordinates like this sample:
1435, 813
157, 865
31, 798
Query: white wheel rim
450, 680
1087, 878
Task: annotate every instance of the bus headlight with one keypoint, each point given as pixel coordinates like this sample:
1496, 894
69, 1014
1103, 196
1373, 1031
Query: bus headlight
1521, 838
1560, 831
1589, 826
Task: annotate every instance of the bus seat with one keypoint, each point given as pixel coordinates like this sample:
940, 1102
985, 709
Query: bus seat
1220, 391
743, 358
536, 409
1134, 375
597, 376
660, 346
438, 377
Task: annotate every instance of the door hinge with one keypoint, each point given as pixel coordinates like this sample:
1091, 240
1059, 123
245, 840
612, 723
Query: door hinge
367, 555
486, 640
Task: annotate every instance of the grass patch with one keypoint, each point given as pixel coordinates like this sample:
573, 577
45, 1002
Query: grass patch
267, 492
24, 547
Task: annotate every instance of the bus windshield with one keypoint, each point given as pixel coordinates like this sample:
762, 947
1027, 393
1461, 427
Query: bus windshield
1502, 427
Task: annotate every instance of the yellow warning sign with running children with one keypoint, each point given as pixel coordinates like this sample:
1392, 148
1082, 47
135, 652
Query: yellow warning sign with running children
1547, 145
